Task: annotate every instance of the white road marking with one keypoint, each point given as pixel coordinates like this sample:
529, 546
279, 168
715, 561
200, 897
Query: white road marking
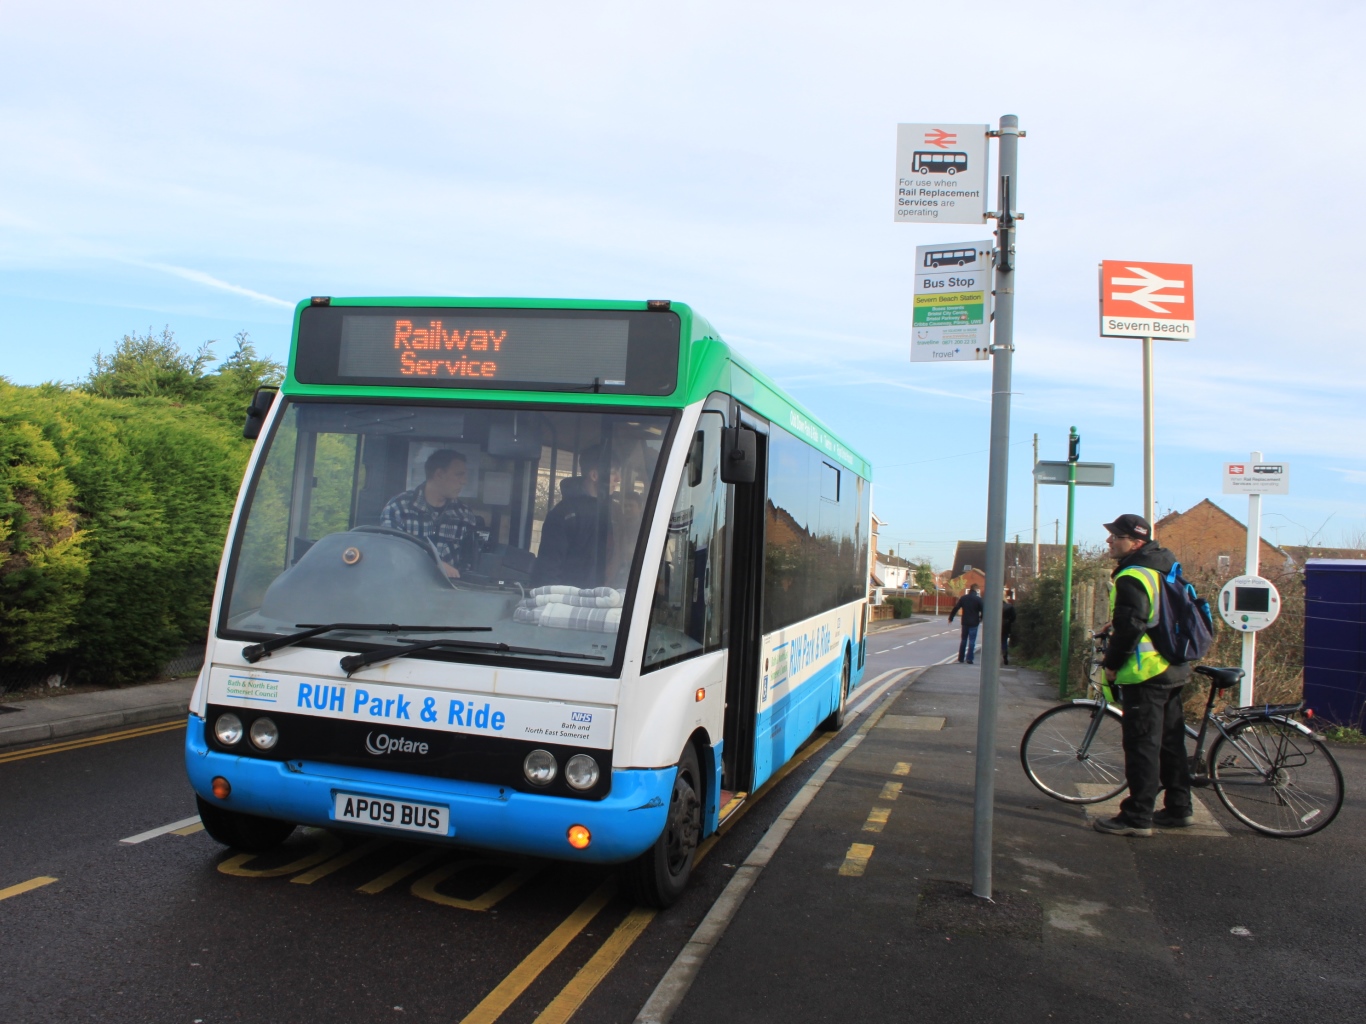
669, 993
142, 837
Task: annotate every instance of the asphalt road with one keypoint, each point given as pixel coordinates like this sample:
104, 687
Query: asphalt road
331, 927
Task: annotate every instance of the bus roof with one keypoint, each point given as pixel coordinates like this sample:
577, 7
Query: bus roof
706, 364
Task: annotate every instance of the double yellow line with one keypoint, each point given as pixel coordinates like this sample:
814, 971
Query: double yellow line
93, 741
623, 937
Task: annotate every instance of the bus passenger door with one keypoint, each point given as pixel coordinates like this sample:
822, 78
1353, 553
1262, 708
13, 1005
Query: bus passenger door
746, 573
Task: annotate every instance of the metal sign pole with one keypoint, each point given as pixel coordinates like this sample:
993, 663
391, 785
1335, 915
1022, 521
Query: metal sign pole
1073, 452
1003, 345
1036, 506
1254, 563
1149, 473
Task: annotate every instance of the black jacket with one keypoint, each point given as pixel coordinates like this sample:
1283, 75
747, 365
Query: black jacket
1132, 609
971, 607
1007, 618
573, 541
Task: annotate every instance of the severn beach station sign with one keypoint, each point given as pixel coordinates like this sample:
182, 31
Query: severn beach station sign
1147, 300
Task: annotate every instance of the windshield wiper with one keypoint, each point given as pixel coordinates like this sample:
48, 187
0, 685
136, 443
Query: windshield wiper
353, 662
255, 652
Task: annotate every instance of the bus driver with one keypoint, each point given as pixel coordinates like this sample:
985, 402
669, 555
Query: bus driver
433, 510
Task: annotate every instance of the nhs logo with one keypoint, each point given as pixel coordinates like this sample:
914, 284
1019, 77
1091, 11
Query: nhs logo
581, 716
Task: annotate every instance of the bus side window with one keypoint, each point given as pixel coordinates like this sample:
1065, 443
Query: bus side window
687, 614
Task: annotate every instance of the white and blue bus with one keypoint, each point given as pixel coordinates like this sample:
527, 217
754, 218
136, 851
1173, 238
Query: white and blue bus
560, 578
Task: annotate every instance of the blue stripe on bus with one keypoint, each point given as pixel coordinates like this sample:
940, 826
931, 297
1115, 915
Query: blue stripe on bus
623, 825
785, 725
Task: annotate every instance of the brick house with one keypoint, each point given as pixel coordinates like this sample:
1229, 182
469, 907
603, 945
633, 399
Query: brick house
970, 556
1205, 537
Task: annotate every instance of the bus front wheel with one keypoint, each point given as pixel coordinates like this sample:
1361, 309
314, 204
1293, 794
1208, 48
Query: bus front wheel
659, 875
244, 832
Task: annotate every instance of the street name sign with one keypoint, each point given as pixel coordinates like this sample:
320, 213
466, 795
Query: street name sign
1256, 478
941, 174
1089, 474
1147, 300
952, 319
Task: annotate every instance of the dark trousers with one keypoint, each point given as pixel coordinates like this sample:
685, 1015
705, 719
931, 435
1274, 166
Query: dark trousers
1005, 648
967, 642
1154, 750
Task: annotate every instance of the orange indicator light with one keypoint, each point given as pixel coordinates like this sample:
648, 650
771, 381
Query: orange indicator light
701, 694
579, 837
221, 787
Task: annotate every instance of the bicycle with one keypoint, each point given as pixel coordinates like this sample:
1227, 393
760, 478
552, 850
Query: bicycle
1271, 771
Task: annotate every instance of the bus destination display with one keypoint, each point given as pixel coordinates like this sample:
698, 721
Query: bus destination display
464, 349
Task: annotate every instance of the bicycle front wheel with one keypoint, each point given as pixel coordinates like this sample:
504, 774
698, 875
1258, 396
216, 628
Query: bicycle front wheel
1276, 779
1075, 753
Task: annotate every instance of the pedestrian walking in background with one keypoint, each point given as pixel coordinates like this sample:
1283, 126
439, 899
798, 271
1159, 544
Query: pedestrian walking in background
970, 604
1007, 624
1149, 686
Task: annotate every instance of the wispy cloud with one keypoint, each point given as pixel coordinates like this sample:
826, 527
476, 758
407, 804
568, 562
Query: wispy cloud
209, 281
1349, 476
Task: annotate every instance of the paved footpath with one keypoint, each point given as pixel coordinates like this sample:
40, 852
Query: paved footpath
863, 912
78, 714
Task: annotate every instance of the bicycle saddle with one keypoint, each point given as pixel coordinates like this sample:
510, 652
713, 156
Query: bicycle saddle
1221, 678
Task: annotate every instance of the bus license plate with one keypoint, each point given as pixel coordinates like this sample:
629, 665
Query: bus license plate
371, 810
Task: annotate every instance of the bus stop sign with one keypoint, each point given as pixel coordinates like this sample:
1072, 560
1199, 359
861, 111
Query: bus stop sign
1147, 300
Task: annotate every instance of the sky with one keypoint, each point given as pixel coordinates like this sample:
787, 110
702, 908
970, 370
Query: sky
203, 167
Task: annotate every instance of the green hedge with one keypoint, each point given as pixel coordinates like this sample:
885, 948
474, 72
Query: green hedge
112, 518
902, 607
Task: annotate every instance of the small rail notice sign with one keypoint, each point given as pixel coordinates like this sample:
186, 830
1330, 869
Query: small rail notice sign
941, 174
952, 320
1256, 478
1147, 300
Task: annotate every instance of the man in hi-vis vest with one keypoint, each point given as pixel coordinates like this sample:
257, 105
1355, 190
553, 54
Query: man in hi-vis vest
1149, 687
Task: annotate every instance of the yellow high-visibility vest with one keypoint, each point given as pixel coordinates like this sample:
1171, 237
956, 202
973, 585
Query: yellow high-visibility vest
1145, 663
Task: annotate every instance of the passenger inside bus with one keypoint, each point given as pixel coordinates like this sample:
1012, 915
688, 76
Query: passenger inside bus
433, 511
577, 534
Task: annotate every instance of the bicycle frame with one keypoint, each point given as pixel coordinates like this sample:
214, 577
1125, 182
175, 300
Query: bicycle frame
1222, 721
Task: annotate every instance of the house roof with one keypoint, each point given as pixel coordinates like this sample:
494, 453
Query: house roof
974, 553
1174, 517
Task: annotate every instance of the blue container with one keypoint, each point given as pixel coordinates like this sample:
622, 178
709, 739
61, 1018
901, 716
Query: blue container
1335, 639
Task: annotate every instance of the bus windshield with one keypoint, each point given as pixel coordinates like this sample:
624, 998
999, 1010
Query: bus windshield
527, 521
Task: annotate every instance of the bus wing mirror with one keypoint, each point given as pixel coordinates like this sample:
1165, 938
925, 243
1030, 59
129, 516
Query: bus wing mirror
739, 455
256, 412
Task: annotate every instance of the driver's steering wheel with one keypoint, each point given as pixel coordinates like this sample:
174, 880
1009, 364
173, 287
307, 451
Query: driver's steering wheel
425, 543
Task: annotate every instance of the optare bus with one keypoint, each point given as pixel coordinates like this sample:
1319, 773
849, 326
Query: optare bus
558, 578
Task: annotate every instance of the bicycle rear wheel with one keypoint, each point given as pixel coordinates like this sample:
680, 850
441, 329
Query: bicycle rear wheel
1276, 779
1075, 753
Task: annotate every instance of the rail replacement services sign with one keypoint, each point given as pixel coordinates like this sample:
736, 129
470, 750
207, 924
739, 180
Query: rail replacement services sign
941, 174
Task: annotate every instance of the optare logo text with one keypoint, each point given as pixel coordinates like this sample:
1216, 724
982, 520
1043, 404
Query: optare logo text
386, 744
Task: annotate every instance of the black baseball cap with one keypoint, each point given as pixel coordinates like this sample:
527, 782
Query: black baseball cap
1130, 525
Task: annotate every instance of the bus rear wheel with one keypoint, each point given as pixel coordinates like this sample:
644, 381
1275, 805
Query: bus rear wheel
244, 832
659, 875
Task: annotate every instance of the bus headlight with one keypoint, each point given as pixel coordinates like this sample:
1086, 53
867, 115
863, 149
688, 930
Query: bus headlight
228, 729
264, 733
581, 772
540, 768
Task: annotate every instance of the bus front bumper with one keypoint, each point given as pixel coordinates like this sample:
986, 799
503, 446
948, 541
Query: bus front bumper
623, 825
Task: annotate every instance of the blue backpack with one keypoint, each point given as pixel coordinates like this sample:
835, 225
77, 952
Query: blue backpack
1185, 627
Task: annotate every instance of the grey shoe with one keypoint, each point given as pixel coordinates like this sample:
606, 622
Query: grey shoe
1166, 819
1119, 827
